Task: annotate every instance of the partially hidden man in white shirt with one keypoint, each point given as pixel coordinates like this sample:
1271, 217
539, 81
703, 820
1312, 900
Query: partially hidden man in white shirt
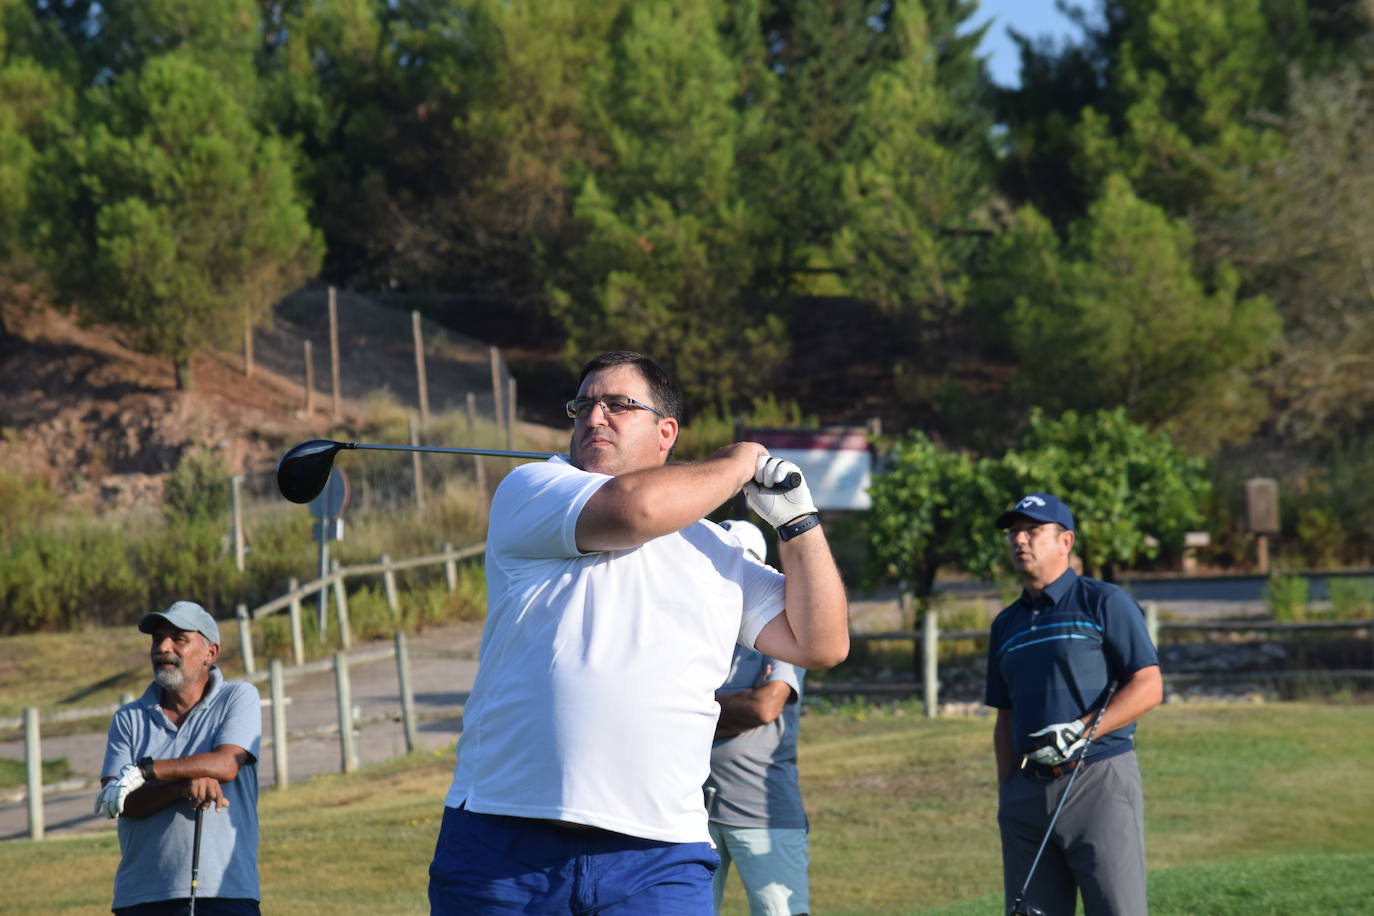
613, 611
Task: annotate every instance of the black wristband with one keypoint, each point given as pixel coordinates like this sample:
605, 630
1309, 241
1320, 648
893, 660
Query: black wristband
805, 523
145, 766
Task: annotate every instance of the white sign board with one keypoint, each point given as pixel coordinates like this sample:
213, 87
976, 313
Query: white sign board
838, 464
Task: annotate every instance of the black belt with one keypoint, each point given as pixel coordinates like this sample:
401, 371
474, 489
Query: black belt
1041, 771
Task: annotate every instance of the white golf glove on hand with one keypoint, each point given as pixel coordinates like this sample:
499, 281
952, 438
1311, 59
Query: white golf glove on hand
777, 507
1057, 743
110, 801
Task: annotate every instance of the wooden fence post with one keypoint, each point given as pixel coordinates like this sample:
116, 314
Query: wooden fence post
930, 657
279, 739
498, 413
477, 464
348, 758
33, 767
389, 581
297, 636
245, 640
248, 347
420, 368
450, 568
309, 380
407, 695
341, 608
236, 491
510, 414
414, 429
334, 352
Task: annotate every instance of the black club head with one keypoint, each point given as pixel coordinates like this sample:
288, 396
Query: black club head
304, 470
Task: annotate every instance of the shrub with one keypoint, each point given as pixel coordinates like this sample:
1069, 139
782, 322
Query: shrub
198, 487
1287, 598
1351, 599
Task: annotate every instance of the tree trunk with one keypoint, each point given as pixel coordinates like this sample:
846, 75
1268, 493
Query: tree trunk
182, 367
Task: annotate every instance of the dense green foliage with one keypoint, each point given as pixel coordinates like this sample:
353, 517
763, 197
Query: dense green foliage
670, 176
1132, 492
1166, 216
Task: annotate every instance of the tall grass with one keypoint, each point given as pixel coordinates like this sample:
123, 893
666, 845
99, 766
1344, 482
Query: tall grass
62, 569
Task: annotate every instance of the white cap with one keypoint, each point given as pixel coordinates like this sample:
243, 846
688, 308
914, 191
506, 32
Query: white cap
748, 535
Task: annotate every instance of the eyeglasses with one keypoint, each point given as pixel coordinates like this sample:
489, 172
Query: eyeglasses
613, 405
1031, 530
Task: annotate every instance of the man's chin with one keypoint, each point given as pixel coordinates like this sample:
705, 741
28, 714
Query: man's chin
597, 459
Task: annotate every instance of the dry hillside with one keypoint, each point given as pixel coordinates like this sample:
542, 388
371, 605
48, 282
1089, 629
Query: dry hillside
102, 422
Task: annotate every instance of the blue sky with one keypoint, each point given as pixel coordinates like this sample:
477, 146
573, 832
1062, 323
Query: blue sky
1030, 17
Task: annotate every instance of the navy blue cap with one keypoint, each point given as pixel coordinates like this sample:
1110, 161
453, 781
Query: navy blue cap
1038, 507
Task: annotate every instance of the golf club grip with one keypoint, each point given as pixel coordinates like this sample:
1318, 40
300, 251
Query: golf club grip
790, 482
195, 851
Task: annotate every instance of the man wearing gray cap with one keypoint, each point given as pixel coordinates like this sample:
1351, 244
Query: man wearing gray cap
188, 745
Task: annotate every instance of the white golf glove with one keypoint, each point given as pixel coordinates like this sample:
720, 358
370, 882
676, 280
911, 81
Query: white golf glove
1057, 743
110, 801
777, 507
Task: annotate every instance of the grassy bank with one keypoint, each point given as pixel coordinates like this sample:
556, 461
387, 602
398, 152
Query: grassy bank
1251, 809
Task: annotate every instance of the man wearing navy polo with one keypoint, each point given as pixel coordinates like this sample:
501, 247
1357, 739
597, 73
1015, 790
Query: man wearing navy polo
1051, 656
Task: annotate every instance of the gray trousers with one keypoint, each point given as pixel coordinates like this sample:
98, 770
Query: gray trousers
1098, 845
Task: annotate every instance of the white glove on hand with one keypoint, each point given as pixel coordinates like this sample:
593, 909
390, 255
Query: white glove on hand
1057, 743
110, 801
777, 507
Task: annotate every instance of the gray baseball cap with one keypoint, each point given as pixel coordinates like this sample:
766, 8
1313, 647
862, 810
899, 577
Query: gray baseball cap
184, 615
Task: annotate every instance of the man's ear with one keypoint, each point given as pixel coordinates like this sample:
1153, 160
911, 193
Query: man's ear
1072, 539
667, 431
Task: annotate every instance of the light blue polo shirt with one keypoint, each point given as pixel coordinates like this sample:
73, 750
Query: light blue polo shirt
155, 851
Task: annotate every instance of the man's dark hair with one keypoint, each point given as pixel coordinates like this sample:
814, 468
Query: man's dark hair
667, 396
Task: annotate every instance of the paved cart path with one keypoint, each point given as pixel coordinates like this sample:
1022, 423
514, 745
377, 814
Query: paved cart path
443, 662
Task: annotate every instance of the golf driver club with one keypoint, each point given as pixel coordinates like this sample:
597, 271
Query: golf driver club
304, 470
1020, 907
195, 858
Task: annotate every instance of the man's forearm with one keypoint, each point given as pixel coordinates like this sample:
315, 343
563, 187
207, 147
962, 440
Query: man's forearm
744, 710
816, 610
218, 764
1002, 748
1136, 697
638, 506
152, 797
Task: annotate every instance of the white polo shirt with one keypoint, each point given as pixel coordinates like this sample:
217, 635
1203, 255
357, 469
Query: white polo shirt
594, 698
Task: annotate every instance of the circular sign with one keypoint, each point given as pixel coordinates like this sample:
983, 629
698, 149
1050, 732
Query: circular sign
333, 499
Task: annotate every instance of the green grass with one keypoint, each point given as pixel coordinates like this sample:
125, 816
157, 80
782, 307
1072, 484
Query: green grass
1249, 809
12, 772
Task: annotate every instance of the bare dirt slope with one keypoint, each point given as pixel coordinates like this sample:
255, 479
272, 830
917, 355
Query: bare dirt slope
102, 422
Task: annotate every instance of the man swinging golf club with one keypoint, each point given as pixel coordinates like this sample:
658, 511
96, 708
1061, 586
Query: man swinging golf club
1052, 657
188, 746
612, 613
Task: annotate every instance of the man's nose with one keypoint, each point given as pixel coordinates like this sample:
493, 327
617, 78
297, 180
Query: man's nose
597, 416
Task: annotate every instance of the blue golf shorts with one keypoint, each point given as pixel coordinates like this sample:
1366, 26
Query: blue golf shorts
490, 865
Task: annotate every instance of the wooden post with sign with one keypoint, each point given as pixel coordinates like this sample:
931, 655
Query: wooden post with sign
1262, 516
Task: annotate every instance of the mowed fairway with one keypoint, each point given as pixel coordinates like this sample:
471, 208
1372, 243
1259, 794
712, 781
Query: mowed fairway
1250, 809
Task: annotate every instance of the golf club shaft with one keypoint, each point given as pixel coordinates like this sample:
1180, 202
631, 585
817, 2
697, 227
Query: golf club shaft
792, 480
195, 858
1073, 774
488, 452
